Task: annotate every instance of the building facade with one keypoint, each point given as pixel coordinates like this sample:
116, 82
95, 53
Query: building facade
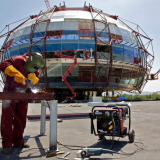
117, 59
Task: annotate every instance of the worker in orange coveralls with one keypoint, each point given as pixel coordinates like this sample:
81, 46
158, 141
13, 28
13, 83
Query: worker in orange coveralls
17, 69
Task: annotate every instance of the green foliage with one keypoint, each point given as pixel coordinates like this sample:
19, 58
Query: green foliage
105, 98
141, 97
137, 97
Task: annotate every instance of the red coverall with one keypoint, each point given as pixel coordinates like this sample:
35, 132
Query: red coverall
14, 136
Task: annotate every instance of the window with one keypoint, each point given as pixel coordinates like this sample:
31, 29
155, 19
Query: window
38, 47
87, 44
54, 69
40, 28
14, 51
114, 29
55, 26
102, 30
85, 28
69, 44
125, 35
53, 45
128, 50
23, 48
117, 48
26, 33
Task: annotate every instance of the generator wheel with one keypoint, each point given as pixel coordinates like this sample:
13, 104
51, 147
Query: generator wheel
101, 137
83, 154
131, 135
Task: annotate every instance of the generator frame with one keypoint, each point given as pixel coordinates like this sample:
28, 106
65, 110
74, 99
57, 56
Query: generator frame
130, 133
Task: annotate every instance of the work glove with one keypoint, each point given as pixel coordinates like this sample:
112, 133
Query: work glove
13, 72
32, 77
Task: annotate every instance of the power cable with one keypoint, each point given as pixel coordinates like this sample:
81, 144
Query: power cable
80, 147
68, 146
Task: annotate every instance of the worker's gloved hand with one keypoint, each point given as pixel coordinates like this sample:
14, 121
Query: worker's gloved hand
13, 72
32, 77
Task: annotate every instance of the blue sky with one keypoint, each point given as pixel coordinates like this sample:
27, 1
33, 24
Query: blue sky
142, 12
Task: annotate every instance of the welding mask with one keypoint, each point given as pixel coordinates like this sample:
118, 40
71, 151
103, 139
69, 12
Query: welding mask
34, 62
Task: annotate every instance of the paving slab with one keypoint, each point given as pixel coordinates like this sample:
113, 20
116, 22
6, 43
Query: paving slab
76, 132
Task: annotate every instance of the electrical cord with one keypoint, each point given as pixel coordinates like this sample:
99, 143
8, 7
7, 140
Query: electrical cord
130, 154
81, 147
115, 152
68, 146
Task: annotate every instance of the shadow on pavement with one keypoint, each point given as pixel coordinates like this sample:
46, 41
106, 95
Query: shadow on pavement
15, 155
106, 144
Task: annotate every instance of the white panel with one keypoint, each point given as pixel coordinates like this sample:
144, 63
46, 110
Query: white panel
78, 15
118, 23
57, 20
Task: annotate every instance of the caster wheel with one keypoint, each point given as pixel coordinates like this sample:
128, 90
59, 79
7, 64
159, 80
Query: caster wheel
131, 135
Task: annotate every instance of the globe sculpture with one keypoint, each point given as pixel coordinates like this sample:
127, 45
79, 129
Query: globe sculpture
85, 50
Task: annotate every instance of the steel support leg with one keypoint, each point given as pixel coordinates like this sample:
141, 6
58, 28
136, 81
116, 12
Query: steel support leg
53, 126
43, 119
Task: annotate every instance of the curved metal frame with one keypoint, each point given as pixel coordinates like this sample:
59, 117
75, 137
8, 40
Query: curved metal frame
144, 70
98, 63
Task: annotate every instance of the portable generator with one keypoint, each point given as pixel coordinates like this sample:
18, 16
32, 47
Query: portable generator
110, 121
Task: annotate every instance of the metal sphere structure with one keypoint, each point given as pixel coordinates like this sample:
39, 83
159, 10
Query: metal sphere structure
85, 49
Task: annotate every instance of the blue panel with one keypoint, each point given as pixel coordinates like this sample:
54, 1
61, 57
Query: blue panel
23, 50
16, 39
136, 52
125, 35
102, 34
117, 48
69, 44
68, 32
118, 57
128, 51
14, 51
129, 59
87, 44
27, 36
38, 47
69, 37
53, 45
37, 34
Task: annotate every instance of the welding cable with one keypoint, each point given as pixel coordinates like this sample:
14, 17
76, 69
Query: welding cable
115, 152
128, 154
68, 146
122, 152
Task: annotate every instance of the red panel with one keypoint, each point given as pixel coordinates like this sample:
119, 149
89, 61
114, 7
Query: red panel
26, 96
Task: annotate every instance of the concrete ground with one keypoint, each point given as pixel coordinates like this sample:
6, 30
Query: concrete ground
76, 132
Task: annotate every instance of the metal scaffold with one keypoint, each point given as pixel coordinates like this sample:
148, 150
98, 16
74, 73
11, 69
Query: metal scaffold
101, 73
